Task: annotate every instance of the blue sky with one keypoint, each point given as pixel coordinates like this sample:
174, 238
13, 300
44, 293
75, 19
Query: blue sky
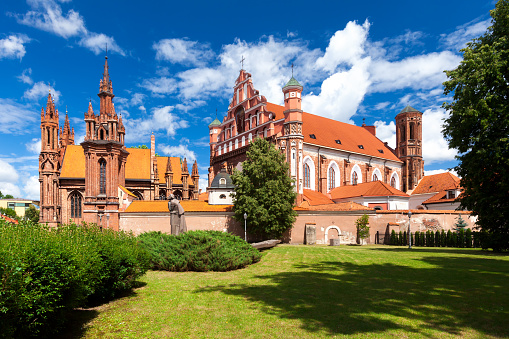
173, 64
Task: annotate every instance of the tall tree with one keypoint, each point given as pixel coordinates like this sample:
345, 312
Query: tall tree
478, 126
264, 191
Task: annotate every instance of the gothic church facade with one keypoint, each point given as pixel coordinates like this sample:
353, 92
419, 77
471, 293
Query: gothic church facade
94, 181
322, 153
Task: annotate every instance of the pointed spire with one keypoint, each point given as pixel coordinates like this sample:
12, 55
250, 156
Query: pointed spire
169, 169
106, 75
184, 166
90, 111
195, 169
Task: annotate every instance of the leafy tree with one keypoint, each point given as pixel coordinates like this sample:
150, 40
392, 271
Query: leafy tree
264, 191
362, 228
7, 196
394, 238
8, 212
32, 214
478, 126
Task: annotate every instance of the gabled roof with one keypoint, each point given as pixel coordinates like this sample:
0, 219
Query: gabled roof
342, 206
437, 183
440, 197
138, 164
327, 131
73, 165
368, 189
126, 191
316, 198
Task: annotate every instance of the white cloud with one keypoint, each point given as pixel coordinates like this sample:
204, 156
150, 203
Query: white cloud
341, 93
31, 188
418, 72
25, 76
14, 117
203, 183
34, 146
137, 99
160, 86
47, 15
162, 119
346, 46
40, 90
463, 34
183, 51
435, 148
386, 132
179, 151
13, 46
8, 173
200, 82
10, 188
97, 43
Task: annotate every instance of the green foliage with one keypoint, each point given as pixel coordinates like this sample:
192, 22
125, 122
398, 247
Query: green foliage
450, 239
422, 241
417, 239
404, 240
44, 273
198, 251
143, 147
438, 239
461, 238
478, 126
362, 227
394, 238
461, 224
32, 214
9, 212
468, 238
264, 191
7, 196
443, 239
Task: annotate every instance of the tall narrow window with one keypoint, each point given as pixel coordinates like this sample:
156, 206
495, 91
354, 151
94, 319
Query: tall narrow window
412, 130
393, 182
355, 178
307, 176
75, 205
102, 178
375, 177
332, 178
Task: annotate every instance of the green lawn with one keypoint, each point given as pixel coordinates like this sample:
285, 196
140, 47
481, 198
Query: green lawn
318, 291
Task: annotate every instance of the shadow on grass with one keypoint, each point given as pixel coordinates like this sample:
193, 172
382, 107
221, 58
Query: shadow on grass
448, 250
445, 294
78, 319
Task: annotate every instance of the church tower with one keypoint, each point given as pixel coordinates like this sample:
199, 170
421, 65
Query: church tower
105, 158
292, 139
185, 180
66, 137
409, 146
49, 165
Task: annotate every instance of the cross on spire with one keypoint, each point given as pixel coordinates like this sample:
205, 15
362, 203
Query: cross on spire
292, 69
242, 62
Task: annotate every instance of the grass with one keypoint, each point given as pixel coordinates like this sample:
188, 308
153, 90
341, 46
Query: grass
318, 291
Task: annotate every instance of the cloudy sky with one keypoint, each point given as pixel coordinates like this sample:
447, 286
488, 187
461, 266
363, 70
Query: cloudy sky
173, 64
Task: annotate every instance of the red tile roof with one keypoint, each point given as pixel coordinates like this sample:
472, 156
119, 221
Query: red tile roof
437, 183
159, 206
342, 206
9, 219
439, 198
316, 198
368, 189
327, 131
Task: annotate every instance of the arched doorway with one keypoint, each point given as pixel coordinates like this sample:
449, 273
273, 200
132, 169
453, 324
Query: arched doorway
332, 232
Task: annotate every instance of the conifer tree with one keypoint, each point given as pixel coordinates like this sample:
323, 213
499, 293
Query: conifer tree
264, 191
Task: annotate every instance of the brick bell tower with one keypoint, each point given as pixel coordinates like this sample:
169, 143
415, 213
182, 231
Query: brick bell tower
292, 139
105, 158
49, 165
409, 147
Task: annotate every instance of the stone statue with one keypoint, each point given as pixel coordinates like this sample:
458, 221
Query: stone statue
177, 217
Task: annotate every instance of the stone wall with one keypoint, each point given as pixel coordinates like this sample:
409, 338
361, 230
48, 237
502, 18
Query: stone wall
328, 224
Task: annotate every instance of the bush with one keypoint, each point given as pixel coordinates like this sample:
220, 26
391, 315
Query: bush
198, 251
438, 239
394, 240
450, 239
417, 238
405, 239
477, 239
461, 238
468, 238
44, 273
421, 239
443, 239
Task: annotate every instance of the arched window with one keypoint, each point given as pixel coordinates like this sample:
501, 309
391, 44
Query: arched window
222, 181
102, 176
138, 195
75, 205
393, 182
101, 134
375, 177
307, 176
355, 178
332, 178
222, 196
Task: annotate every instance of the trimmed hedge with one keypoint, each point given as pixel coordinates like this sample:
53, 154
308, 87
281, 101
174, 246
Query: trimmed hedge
44, 273
198, 251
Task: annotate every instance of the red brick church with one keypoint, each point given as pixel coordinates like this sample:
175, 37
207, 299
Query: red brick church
97, 179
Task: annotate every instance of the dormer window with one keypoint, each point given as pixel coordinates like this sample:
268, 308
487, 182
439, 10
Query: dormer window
380, 151
338, 141
312, 136
361, 146
222, 181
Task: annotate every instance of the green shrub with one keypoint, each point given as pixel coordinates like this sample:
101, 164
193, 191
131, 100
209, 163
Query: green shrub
437, 239
198, 251
461, 238
422, 240
404, 239
450, 239
468, 238
477, 239
443, 238
393, 240
44, 273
